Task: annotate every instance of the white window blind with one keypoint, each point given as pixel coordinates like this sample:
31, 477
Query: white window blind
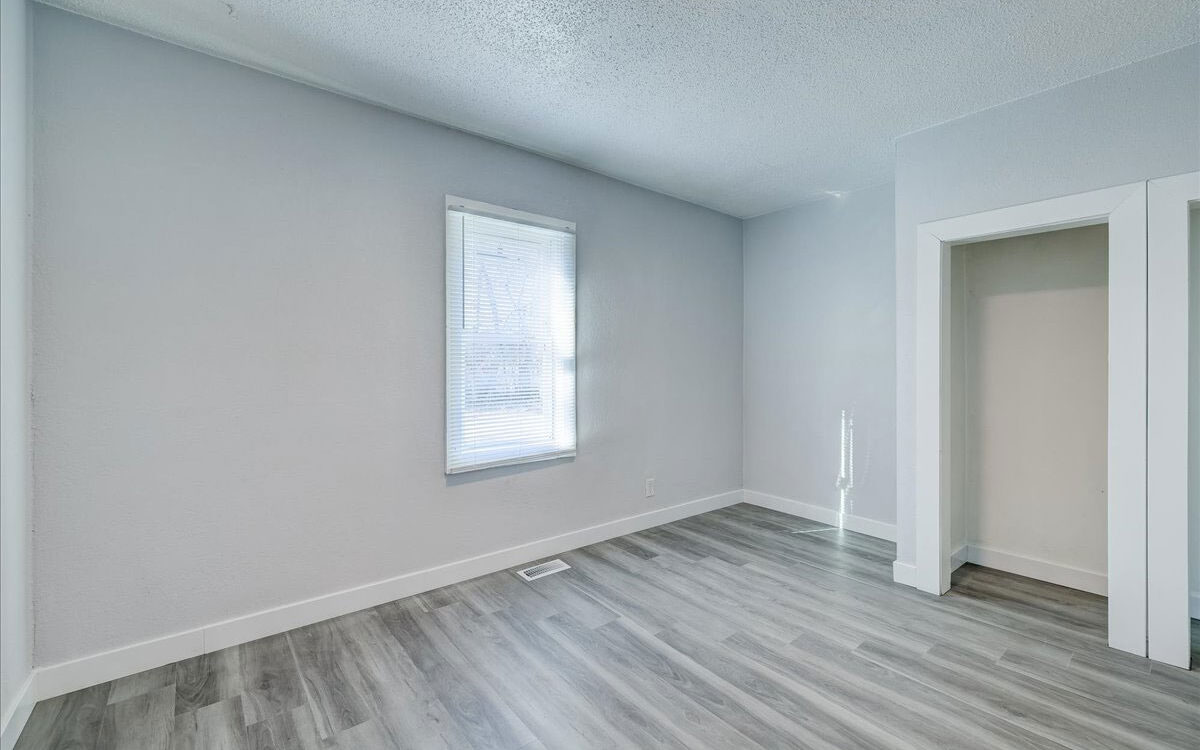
510, 336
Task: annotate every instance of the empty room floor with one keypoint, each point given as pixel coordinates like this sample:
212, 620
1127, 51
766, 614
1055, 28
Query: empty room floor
740, 628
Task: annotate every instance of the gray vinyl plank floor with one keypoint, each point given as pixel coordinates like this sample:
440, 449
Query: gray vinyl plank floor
740, 628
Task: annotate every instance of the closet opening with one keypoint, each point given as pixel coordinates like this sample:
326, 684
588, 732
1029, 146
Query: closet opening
1051, 464
1028, 412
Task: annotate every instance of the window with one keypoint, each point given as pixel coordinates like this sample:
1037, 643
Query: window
510, 336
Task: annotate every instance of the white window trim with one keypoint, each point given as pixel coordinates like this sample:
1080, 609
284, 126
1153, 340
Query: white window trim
454, 203
466, 205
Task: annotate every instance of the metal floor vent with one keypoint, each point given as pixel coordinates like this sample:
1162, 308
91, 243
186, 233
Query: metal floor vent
543, 569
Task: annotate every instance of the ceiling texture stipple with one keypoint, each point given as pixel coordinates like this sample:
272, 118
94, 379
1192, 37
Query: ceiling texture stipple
744, 106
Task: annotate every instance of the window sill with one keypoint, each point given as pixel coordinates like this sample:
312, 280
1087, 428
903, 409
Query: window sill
510, 461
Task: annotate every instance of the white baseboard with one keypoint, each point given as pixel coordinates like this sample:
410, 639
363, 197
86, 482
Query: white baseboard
17, 713
1194, 609
904, 573
958, 557
72, 675
1043, 570
1063, 575
94, 669
821, 514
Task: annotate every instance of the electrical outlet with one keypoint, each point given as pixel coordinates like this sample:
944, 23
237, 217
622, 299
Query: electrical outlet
649, 486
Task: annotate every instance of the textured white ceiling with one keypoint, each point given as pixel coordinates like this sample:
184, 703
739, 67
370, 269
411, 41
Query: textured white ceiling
745, 106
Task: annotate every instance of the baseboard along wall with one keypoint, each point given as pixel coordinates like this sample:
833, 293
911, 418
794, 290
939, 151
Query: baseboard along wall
17, 713
1030, 567
56, 679
822, 514
904, 573
1042, 570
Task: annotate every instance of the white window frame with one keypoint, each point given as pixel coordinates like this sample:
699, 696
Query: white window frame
455, 203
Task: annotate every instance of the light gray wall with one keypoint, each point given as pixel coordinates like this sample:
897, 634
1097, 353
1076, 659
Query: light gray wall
1035, 334
819, 338
16, 620
1128, 124
238, 343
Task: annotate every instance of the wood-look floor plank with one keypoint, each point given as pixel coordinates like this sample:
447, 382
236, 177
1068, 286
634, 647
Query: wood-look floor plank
667, 707
1078, 603
269, 678
141, 683
739, 628
479, 596
44, 723
634, 596
1179, 705
626, 717
535, 691
571, 600
857, 603
431, 600
717, 604
405, 703
293, 729
333, 686
873, 702
838, 615
825, 724
206, 679
214, 726
372, 734
70, 721
144, 721
674, 536
1044, 608
517, 597
750, 716
1138, 726
485, 720
633, 547
815, 550
918, 703
769, 521
978, 687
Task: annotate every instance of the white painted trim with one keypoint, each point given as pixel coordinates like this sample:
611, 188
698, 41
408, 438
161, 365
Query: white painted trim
94, 669
1168, 629
821, 514
1195, 605
904, 573
17, 713
1124, 210
1127, 424
1052, 214
959, 557
62, 678
932, 428
466, 205
1042, 570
